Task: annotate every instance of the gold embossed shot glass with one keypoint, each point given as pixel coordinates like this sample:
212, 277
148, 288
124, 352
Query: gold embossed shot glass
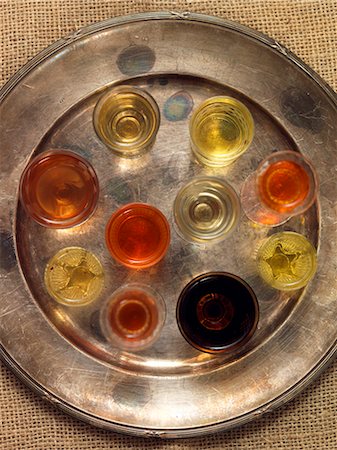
74, 276
287, 261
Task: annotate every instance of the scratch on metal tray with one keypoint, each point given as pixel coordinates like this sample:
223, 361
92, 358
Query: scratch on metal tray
10, 311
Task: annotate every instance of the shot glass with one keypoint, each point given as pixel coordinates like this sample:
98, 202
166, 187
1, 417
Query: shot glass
221, 130
138, 235
217, 312
127, 119
74, 276
286, 261
207, 209
133, 317
284, 185
59, 189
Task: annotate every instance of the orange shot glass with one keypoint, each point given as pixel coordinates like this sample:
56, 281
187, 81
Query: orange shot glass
138, 235
133, 317
59, 189
284, 185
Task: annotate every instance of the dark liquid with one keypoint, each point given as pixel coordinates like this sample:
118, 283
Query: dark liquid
217, 312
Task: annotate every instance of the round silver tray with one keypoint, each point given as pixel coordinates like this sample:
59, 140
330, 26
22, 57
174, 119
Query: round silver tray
171, 389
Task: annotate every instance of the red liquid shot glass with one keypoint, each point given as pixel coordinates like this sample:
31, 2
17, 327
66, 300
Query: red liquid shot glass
284, 185
137, 235
133, 317
59, 189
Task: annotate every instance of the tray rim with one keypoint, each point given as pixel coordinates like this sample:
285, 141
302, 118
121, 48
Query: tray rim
164, 15
54, 399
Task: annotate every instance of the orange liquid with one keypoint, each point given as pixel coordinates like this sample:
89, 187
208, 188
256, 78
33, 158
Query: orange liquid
138, 235
59, 189
134, 316
284, 186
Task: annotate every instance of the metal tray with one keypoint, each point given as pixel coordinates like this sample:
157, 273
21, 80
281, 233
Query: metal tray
171, 389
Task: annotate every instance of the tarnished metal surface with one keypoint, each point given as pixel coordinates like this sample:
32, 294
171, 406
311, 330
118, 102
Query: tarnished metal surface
170, 389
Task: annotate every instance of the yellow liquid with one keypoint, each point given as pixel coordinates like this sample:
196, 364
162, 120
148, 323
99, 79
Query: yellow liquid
287, 261
74, 276
221, 129
127, 119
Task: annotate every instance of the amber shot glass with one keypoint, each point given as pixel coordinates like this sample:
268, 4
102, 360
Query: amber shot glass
133, 317
138, 235
284, 185
59, 189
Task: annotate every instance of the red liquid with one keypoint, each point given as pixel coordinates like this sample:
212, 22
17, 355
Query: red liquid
59, 189
284, 186
134, 315
138, 235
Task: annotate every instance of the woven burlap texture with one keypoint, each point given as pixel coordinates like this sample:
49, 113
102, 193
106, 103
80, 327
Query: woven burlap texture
309, 29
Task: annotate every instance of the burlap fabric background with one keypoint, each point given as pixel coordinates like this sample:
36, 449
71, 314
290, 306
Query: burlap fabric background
308, 28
